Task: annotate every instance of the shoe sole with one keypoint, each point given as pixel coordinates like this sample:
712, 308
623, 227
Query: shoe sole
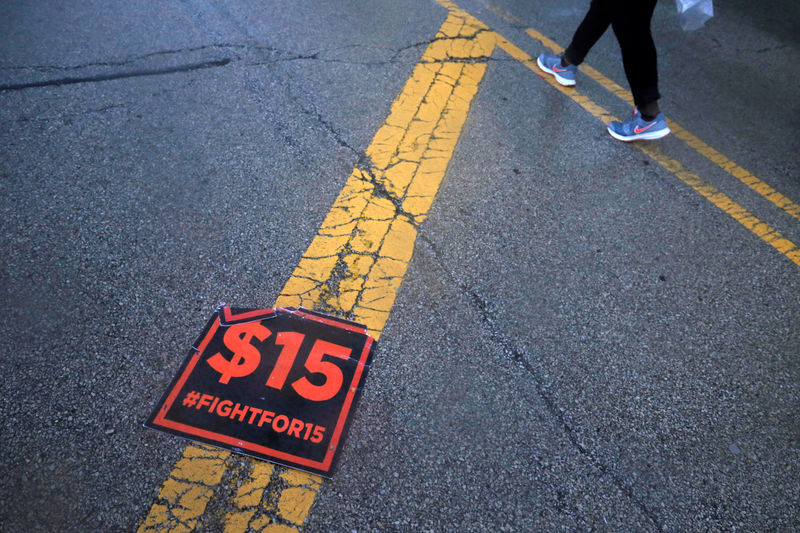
649, 136
563, 81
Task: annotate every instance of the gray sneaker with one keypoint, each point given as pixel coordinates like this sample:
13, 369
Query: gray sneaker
552, 65
636, 128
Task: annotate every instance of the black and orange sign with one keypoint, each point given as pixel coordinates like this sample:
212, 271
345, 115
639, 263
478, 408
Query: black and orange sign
277, 384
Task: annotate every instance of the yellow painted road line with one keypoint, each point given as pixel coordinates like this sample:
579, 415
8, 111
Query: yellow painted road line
184, 496
355, 264
353, 267
759, 186
368, 236
711, 193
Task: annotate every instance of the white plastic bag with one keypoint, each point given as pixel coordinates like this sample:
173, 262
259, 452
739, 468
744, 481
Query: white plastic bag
693, 14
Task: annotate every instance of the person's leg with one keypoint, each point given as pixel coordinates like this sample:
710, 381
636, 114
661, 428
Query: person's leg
593, 26
630, 20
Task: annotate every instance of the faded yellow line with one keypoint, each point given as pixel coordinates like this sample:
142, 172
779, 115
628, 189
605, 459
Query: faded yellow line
353, 267
184, 496
711, 193
248, 499
764, 231
368, 235
756, 184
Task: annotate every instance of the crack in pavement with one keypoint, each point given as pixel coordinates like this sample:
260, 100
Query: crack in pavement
116, 76
126, 61
286, 56
488, 317
283, 56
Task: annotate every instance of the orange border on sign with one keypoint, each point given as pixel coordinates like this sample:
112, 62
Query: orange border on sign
328, 321
262, 314
323, 465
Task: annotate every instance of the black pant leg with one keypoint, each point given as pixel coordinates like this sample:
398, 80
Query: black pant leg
631, 23
594, 25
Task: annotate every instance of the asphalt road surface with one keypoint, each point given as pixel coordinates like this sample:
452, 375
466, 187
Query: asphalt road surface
589, 336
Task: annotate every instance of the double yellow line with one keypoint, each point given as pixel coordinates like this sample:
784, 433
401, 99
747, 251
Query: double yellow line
711, 193
358, 259
354, 267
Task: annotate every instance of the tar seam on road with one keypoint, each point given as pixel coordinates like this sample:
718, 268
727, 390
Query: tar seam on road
357, 261
354, 265
116, 76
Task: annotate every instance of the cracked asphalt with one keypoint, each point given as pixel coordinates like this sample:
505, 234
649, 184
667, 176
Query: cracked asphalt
581, 341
